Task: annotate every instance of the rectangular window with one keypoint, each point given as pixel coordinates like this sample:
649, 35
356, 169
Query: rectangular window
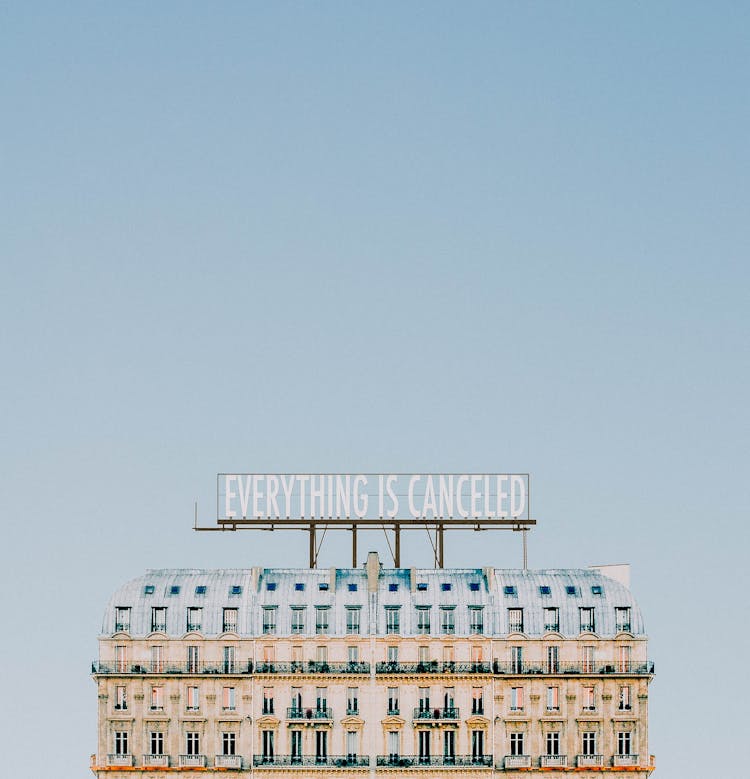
423, 655
624, 703
193, 698
587, 659
393, 700
158, 619
296, 745
268, 700
552, 619
321, 745
623, 659
423, 620
515, 620
321, 619
267, 744
321, 654
121, 701
476, 619
589, 704
194, 619
229, 657
516, 744
121, 742
121, 659
269, 620
424, 745
622, 619
122, 619
157, 699
449, 744
193, 659
516, 698
296, 699
352, 700
393, 745
477, 700
516, 659
447, 619
298, 620
353, 654
351, 744
449, 700
228, 744
553, 660
392, 614
477, 744
192, 743
156, 742
157, 659
553, 744
586, 614
424, 699
623, 742
588, 743
229, 621
476, 654
321, 699
229, 699
553, 698
352, 620
392, 654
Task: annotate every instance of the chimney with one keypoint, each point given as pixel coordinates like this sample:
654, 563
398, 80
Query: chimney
373, 571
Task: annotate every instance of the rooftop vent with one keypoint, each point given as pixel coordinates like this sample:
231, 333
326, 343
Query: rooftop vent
200, 589
570, 590
352, 587
422, 586
149, 589
299, 586
323, 586
446, 587
174, 589
474, 586
509, 589
271, 586
235, 589
545, 590
393, 588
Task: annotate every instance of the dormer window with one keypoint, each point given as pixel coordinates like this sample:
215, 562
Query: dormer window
122, 619
587, 619
194, 619
622, 619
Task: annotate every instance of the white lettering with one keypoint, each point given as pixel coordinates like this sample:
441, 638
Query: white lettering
412, 483
288, 487
462, 479
389, 482
446, 496
501, 497
228, 495
429, 499
360, 501
257, 494
517, 492
273, 491
475, 496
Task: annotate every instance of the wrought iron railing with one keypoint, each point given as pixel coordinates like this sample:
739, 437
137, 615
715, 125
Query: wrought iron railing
409, 761
635, 667
450, 712
312, 761
433, 667
312, 667
309, 713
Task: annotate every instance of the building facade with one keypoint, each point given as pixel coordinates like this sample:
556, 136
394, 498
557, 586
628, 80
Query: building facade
387, 672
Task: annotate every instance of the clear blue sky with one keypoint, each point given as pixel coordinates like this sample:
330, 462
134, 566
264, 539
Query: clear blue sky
374, 237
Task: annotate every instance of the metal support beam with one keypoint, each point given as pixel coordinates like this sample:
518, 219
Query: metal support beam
313, 550
397, 546
354, 546
440, 545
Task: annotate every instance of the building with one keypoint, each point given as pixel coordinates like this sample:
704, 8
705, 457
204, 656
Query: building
388, 672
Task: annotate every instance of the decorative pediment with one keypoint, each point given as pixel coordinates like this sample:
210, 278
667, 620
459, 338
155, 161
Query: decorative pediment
267, 721
393, 722
475, 721
353, 722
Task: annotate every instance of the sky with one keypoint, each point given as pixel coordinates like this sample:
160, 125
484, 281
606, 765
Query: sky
384, 237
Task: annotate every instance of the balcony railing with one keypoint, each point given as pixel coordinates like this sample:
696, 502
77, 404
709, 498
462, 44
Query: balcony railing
622, 627
587, 761
122, 627
156, 760
450, 712
194, 627
311, 761
433, 667
618, 760
411, 761
192, 761
309, 714
120, 760
140, 667
632, 667
517, 761
312, 667
228, 761
551, 627
554, 761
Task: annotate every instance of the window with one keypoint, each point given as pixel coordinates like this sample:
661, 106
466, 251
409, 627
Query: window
267, 744
228, 699
228, 744
299, 586
553, 744
423, 620
271, 586
449, 699
624, 701
296, 700
298, 620
476, 657
200, 589
516, 659
587, 619
121, 742
477, 744
392, 619
474, 586
622, 619
192, 743
149, 589
174, 589
516, 743
229, 621
623, 659
269, 619
423, 655
588, 743
393, 746
589, 703
393, 700
447, 619
321, 619
509, 589
351, 744
235, 589
321, 745
352, 700
449, 744
552, 619
424, 745
193, 659
296, 745
553, 662
353, 654
352, 620
323, 586
321, 699
477, 700
545, 590
449, 657
296, 656
587, 659
570, 590
392, 654
393, 588
193, 698
158, 619
156, 742
596, 589
516, 698
121, 659
268, 700
553, 698
476, 619
623, 742
121, 701
157, 698
157, 659
194, 618
122, 619
352, 587
446, 587
421, 586
424, 698
515, 620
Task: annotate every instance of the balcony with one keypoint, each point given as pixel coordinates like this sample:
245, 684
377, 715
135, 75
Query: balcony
142, 667
631, 668
517, 761
449, 713
311, 761
228, 761
589, 761
551, 627
621, 760
622, 627
161, 761
120, 760
122, 627
416, 761
313, 715
312, 667
191, 761
433, 667
554, 761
